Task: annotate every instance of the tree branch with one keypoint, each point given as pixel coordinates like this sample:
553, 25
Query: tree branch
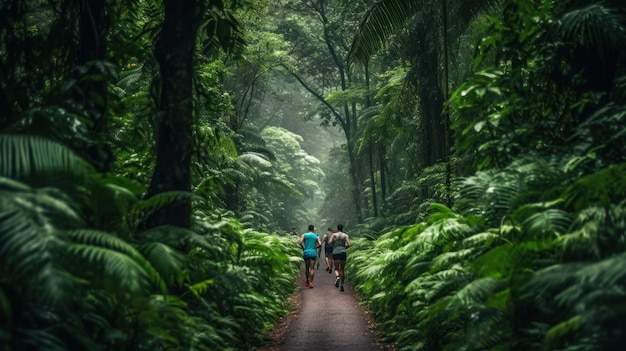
330, 107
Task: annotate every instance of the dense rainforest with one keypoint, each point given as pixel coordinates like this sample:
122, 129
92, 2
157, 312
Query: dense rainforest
155, 154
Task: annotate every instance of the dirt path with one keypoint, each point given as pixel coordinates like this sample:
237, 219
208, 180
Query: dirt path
319, 324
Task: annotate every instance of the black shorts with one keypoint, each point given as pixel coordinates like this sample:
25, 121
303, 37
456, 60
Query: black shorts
328, 250
340, 256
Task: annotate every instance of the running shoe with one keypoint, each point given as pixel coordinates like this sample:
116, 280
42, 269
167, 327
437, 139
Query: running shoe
337, 282
307, 284
311, 285
341, 289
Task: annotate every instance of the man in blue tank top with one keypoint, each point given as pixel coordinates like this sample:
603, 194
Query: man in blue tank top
309, 242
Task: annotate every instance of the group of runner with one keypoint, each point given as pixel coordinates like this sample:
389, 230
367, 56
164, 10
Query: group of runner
335, 246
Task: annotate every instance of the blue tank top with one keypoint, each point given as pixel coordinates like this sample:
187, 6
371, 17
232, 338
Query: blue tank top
310, 243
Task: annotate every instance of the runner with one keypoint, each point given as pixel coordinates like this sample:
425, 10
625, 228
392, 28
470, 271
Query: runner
340, 242
328, 250
309, 242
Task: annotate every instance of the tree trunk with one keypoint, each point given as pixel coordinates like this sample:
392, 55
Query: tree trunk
174, 52
431, 102
370, 153
383, 177
93, 28
446, 95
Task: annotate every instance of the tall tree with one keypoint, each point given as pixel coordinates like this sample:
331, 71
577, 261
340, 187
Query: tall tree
174, 51
322, 70
426, 45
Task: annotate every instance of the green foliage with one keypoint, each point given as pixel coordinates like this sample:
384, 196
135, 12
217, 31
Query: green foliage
68, 286
355, 94
530, 256
79, 271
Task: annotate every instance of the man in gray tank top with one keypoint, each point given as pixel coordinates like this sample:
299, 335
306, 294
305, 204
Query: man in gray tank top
340, 242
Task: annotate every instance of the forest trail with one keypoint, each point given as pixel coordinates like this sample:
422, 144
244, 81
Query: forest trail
325, 319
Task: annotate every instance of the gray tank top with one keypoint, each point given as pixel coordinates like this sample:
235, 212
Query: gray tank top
339, 244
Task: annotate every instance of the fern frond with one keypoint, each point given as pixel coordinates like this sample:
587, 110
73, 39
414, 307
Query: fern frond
102, 239
561, 331
168, 262
489, 329
449, 257
547, 281
498, 262
598, 232
489, 194
548, 223
176, 237
604, 187
480, 239
201, 287
120, 272
255, 159
100, 259
144, 208
31, 245
439, 212
478, 290
41, 162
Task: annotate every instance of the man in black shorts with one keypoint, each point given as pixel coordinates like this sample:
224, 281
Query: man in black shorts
340, 242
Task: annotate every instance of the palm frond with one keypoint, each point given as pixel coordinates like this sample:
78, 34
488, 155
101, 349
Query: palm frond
595, 25
384, 19
387, 18
41, 162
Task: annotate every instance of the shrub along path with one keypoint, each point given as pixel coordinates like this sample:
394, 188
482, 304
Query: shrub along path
324, 319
